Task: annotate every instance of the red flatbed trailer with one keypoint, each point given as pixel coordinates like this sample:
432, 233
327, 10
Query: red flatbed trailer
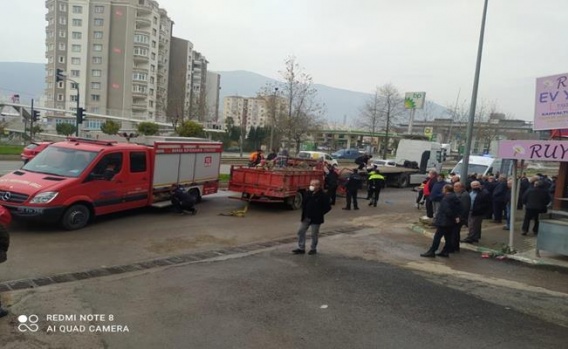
286, 184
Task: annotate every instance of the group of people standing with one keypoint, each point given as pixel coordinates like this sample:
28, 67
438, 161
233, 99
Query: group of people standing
457, 204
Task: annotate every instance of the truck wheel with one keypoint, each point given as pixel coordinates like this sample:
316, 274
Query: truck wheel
403, 181
76, 217
295, 203
195, 193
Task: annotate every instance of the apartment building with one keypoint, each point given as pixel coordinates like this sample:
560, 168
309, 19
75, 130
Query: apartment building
180, 85
198, 98
253, 111
213, 87
115, 53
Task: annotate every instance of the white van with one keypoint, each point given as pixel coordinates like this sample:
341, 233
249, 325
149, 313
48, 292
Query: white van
485, 165
316, 155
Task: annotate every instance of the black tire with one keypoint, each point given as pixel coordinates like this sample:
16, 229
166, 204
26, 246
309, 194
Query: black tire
76, 217
195, 193
403, 181
295, 202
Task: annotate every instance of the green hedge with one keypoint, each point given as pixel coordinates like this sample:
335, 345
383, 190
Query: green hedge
10, 149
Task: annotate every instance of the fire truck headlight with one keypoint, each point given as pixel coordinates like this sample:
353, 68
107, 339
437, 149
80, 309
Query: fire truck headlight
44, 198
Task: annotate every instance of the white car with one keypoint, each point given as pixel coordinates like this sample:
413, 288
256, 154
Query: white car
386, 163
316, 155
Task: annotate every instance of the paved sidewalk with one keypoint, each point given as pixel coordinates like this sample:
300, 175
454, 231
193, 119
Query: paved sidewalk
494, 242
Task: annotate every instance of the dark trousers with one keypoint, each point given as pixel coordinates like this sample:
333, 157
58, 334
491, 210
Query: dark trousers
498, 209
529, 216
332, 193
455, 245
474, 226
489, 213
429, 208
183, 206
445, 232
351, 196
374, 197
419, 196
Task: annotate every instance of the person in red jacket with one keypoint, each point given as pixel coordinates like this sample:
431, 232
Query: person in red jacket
432, 178
5, 219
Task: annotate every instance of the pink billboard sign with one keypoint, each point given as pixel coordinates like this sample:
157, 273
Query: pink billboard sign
534, 150
551, 106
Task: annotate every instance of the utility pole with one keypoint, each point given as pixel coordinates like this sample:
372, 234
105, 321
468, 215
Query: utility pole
59, 76
243, 124
467, 151
273, 123
32, 116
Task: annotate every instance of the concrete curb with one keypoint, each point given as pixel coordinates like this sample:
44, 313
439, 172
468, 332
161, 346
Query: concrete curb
417, 228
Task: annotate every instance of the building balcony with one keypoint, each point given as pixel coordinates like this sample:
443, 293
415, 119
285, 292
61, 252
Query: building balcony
141, 58
142, 22
139, 105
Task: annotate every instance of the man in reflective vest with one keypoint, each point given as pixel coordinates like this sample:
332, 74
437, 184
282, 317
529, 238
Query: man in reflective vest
376, 183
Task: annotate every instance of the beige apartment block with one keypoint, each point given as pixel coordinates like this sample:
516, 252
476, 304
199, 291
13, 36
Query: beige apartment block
253, 111
115, 51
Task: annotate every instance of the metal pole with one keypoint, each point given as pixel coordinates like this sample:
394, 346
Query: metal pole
76, 117
411, 121
31, 123
467, 151
273, 119
513, 205
386, 136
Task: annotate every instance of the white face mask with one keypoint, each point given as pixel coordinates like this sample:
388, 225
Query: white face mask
312, 188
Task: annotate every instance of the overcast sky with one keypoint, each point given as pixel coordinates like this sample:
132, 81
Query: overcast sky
418, 45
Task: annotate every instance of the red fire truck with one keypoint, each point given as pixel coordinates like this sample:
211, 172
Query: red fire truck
73, 181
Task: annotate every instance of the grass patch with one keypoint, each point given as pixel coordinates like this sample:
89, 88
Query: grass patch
10, 149
224, 177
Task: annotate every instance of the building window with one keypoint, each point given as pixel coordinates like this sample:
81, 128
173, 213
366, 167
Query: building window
62, 46
141, 39
75, 73
95, 110
75, 60
97, 72
62, 7
95, 98
151, 103
77, 35
97, 60
151, 79
49, 34
139, 89
139, 76
141, 51
74, 85
154, 32
73, 98
96, 85
155, 20
60, 84
152, 67
50, 59
61, 59
97, 47
76, 48
94, 124
153, 56
99, 9
151, 92
153, 44
77, 9
98, 35
62, 33
77, 22
60, 97
62, 20
50, 47
50, 85
98, 22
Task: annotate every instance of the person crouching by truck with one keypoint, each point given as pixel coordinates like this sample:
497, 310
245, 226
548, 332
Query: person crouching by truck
182, 201
5, 219
255, 158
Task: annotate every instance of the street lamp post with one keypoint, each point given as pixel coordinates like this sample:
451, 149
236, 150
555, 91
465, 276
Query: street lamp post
465, 165
273, 119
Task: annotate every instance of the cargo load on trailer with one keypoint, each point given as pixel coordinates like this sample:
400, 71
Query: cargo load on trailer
73, 181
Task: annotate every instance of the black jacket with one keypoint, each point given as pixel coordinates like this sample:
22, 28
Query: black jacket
536, 198
500, 192
482, 203
354, 182
183, 198
331, 179
4, 243
465, 200
315, 206
450, 209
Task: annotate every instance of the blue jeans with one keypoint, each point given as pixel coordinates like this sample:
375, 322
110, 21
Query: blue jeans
508, 214
302, 234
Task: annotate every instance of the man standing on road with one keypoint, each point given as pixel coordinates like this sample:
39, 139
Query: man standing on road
465, 199
315, 205
5, 219
432, 178
376, 183
536, 200
331, 183
480, 204
351, 187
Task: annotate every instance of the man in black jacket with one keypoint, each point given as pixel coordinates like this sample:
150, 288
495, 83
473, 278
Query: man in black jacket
352, 186
182, 201
331, 183
315, 205
480, 204
536, 200
465, 199
499, 199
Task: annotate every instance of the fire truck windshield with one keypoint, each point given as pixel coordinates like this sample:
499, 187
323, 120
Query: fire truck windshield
59, 161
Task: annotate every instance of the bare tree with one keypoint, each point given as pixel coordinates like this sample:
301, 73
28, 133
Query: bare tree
391, 108
370, 117
304, 112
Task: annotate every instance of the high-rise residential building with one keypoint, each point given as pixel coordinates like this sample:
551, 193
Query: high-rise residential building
198, 101
116, 52
213, 87
259, 110
179, 84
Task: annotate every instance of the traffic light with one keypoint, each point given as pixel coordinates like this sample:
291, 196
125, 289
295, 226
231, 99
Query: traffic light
59, 76
80, 115
35, 115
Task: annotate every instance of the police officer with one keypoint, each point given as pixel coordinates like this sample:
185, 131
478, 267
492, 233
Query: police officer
182, 201
331, 182
352, 186
376, 183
